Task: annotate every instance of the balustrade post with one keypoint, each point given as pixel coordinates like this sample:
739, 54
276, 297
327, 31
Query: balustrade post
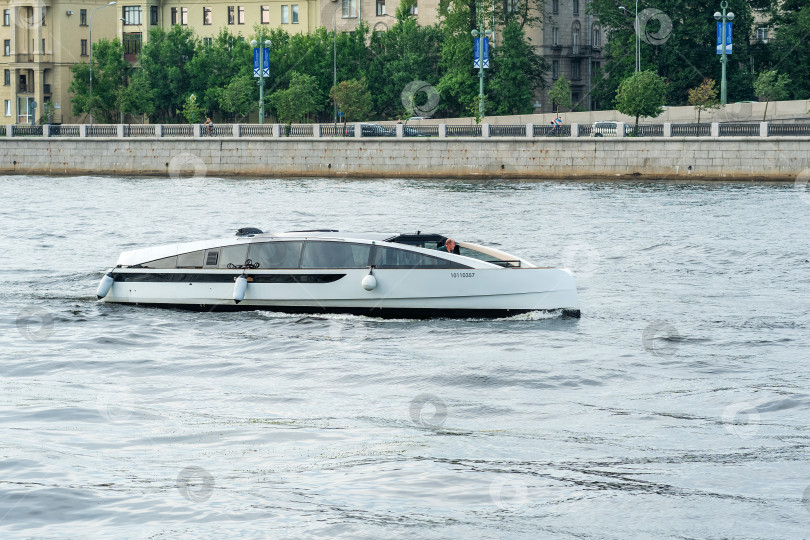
575, 130
358, 130
620, 129
442, 131
715, 131
10, 130
316, 131
158, 130
237, 130
667, 129
277, 130
83, 130
46, 131
763, 129
530, 130
119, 131
401, 131
197, 131
485, 131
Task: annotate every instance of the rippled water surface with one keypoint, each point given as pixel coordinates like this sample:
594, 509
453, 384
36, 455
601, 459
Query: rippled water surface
676, 407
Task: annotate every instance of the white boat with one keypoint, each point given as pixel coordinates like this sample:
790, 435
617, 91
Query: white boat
326, 271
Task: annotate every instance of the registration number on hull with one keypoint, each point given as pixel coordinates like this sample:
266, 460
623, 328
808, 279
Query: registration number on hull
462, 274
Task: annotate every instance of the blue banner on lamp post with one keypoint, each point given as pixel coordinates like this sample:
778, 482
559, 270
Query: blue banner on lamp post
481, 53
265, 61
485, 52
720, 37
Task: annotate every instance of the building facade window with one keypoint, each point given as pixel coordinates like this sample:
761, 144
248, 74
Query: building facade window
132, 15
349, 8
596, 37
555, 36
6, 17
84, 47
555, 6
575, 39
7, 77
285, 14
231, 15
294, 9
82, 17
240, 15
174, 16
415, 8
208, 42
575, 70
132, 42
44, 11
380, 8
265, 15
8, 107
762, 34
153, 15
206, 16
7, 47
576, 7
184, 16
555, 69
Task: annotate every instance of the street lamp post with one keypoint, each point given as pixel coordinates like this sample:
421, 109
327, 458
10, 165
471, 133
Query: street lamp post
267, 44
723, 18
91, 57
475, 34
638, 38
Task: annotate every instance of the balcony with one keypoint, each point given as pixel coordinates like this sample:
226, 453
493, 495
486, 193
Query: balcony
46, 88
31, 57
25, 89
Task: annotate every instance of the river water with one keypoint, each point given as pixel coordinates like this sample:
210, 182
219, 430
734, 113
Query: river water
676, 407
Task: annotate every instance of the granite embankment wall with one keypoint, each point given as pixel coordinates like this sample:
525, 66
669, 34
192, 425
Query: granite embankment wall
749, 158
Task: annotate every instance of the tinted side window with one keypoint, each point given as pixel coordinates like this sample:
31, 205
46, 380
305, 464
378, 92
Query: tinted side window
276, 254
335, 255
168, 262
233, 255
399, 258
190, 260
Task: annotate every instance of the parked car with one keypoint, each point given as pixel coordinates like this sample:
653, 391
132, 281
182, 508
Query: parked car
604, 129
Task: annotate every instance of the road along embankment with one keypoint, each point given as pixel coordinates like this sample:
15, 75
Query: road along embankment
673, 158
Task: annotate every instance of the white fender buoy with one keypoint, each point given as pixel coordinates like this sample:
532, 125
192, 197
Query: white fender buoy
105, 285
239, 288
369, 282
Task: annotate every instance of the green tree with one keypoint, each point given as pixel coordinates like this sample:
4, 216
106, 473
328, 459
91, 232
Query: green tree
353, 98
560, 93
213, 68
301, 99
678, 40
790, 51
704, 97
136, 97
164, 63
458, 85
109, 74
641, 94
771, 86
192, 111
518, 71
237, 98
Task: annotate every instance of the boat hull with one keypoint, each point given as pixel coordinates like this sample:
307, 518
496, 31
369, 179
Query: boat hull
398, 292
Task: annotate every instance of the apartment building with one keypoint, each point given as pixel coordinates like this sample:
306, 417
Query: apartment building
572, 41
42, 39
346, 15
